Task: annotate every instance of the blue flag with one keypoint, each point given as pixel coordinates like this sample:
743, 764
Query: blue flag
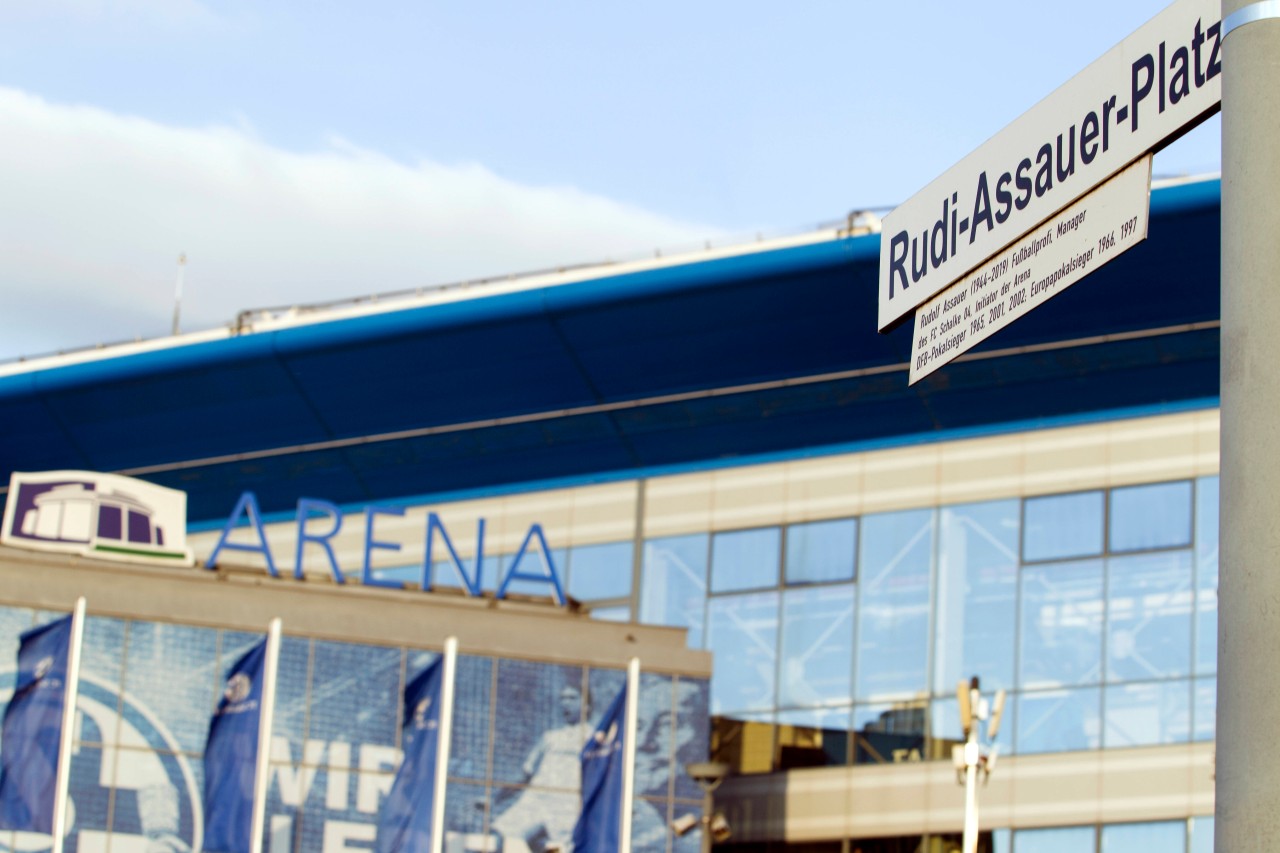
405, 823
230, 757
32, 731
599, 827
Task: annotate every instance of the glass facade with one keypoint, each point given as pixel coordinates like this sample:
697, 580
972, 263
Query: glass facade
147, 690
1096, 610
842, 641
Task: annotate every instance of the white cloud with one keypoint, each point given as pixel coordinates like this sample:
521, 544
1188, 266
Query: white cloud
96, 208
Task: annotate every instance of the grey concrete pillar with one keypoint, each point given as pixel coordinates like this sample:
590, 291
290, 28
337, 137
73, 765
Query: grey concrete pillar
1248, 767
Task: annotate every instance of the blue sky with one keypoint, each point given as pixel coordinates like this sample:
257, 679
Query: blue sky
300, 152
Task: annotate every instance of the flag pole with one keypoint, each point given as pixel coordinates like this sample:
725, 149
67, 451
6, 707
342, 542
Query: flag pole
266, 719
629, 755
70, 693
444, 737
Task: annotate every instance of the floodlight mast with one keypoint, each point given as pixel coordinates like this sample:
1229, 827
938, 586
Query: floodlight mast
974, 710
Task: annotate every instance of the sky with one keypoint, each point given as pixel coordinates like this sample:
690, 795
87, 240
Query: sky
302, 152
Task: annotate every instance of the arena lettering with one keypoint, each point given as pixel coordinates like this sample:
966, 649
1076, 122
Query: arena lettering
310, 510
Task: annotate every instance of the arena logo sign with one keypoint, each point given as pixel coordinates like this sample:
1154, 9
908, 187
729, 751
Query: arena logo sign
533, 562
96, 515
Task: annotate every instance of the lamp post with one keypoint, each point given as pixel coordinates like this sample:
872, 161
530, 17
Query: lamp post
708, 775
973, 754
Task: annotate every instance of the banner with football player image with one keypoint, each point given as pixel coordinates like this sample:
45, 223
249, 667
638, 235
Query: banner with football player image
608, 761
411, 820
35, 739
235, 754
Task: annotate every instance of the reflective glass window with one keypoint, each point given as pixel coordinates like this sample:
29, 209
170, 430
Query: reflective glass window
1066, 839
444, 573
744, 742
1204, 709
1061, 628
1151, 516
945, 730
1149, 600
817, 646
1207, 575
673, 583
1168, 836
745, 559
813, 738
821, 551
403, 574
1060, 527
1202, 834
600, 571
1147, 714
896, 554
533, 563
889, 733
977, 595
1058, 720
944, 720
742, 633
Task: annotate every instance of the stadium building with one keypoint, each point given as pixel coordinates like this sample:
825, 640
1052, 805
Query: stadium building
711, 452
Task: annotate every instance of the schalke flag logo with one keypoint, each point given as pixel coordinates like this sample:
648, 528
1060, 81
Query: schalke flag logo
420, 713
238, 687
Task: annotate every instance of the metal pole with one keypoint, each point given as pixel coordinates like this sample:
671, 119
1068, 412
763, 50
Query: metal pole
71, 690
266, 720
1247, 776
708, 807
629, 754
444, 740
971, 790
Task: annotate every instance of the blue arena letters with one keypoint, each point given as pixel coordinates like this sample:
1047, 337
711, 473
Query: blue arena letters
310, 509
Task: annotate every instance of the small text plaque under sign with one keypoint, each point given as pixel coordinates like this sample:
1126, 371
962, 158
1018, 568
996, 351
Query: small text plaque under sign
1062, 250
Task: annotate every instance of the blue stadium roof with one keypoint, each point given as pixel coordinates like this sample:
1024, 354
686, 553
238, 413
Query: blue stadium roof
766, 352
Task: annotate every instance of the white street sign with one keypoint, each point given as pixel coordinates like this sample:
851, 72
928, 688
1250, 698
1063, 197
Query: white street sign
1143, 92
1095, 230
